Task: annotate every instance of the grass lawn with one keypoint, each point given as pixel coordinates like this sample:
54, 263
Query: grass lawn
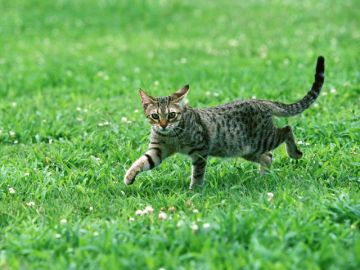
71, 123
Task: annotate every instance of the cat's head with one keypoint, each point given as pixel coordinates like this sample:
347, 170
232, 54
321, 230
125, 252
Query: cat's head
164, 113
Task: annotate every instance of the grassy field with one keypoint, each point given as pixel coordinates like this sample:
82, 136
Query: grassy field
71, 124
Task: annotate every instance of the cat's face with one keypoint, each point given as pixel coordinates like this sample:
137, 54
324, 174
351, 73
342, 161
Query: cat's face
164, 113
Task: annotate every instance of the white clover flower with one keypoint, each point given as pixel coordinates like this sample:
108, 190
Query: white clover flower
125, 120
91, 208
57, 235
270, 196
195, 211
95, 233
131, 219
333, 90
13, 104
180, 223
163, 216
194, 227
139, 212
148, 209
12, 190
63, 221
172, 209
12, 133
206, 226
30, 204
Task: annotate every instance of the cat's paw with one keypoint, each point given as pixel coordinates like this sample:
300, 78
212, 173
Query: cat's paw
197, 184
297, 154
130, 177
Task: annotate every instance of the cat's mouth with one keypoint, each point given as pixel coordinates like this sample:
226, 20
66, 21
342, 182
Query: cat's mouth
162, 130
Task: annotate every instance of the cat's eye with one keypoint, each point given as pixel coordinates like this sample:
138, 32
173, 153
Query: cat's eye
172, 115
155, 116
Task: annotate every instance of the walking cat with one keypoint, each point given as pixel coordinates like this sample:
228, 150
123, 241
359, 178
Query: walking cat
241, 128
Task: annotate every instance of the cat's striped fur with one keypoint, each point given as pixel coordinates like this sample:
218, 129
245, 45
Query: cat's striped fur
240, 128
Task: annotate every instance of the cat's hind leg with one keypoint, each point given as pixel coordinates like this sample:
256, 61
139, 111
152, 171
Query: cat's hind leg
265, 161
291, 147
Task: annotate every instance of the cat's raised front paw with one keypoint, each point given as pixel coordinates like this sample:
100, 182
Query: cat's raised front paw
130, 177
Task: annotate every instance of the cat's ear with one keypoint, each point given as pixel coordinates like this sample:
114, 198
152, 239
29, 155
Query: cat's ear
180, 94
146, 100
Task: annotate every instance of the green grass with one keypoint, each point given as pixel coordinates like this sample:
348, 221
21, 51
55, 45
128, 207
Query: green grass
67, 67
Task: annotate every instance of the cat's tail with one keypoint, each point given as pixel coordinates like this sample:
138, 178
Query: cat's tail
281, 109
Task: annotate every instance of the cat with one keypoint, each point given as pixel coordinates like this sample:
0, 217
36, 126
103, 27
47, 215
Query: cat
241, 128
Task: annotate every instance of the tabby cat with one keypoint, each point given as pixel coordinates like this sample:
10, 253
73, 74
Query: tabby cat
241, 128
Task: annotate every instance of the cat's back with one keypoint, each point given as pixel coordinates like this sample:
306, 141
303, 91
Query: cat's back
230, 125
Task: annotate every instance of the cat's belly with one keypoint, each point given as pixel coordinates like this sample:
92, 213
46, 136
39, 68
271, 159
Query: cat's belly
226, 151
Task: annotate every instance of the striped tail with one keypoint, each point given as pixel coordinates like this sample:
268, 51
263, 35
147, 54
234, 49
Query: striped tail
281, 109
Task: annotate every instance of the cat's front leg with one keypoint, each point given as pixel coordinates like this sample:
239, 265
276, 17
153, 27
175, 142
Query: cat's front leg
152, 158
198, 170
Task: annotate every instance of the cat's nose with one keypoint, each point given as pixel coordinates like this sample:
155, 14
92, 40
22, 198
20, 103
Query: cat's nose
163, 124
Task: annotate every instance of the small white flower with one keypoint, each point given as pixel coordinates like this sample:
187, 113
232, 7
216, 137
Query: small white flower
300, 142
156, 83
103, 124
195, 211
324, 93
206, 226
253, 97
12, 133
131, 219
13, 104
16, 141
194, 227
270, 196
63, 221
95, 233
91, 208
148, 209
216, 94
162, 268
57, 235
139, 212
125, 120
78, 109
30, 204
333, 90
26, 174
136, 111
12, 190
163, 216
172, 209
95, 159
180, 223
